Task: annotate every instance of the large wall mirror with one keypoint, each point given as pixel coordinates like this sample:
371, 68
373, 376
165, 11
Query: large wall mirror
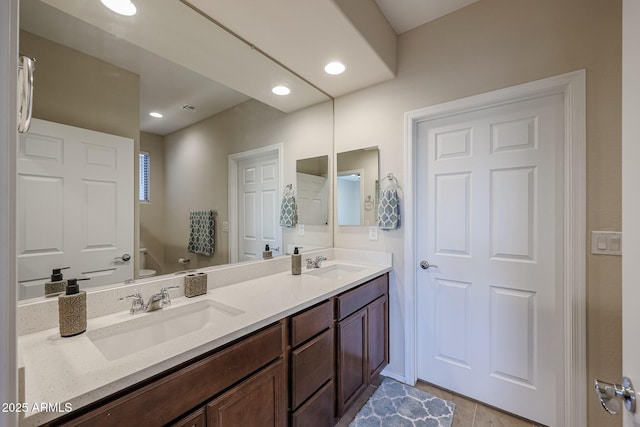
101, 72
357, 186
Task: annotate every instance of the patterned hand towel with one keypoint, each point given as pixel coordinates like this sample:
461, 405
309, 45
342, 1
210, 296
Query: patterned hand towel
288, 208
201, 234
389, 206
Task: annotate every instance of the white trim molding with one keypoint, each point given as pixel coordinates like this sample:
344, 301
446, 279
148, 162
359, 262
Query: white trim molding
573, 386
234, 160
8, 143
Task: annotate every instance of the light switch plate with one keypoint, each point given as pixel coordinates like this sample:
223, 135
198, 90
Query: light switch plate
225, 225
606, 242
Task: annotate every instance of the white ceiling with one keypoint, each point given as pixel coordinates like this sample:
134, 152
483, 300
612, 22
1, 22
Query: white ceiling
204, 65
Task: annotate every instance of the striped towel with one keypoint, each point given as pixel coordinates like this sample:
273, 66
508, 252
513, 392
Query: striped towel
201, 233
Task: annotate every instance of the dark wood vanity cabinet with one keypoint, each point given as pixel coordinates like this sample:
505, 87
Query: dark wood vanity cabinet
363, 339
304, 371
233, 373
312, 363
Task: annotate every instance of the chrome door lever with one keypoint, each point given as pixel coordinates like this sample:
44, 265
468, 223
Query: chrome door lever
610, 395
425, 265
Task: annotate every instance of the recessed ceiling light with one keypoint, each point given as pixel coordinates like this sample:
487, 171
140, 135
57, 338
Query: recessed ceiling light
281, 90
156, 115
334, 68
122, 7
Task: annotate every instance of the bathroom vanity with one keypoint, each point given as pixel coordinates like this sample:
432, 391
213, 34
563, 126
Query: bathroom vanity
297, 351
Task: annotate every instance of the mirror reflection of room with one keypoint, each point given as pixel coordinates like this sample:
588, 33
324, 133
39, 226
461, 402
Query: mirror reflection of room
312, 177
357, 186
88, 79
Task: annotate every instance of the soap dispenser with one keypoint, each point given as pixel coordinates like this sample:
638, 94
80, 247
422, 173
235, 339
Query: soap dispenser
57, 285
72, 309
296, 262
267, 253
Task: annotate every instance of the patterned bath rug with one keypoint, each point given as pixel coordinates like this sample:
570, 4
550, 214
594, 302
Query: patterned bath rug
398, 405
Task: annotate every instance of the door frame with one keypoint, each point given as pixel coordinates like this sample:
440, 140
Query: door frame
234, 160
630, 207
8, 156
573, 88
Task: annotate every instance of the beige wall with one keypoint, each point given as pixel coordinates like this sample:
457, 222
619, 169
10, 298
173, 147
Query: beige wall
152, 224
486, 46
80, 90
197, 168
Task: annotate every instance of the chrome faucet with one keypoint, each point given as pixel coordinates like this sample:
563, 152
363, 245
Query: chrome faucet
156, 301
315, 263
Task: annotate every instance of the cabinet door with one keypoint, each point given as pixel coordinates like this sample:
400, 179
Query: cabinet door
353, 372
257, 401
378, 336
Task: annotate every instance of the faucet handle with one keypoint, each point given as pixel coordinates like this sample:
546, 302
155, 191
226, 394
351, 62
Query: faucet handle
309, 263
166, 298
137, 305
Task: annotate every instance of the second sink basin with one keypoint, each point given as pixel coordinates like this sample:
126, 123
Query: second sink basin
335, 271
139, 333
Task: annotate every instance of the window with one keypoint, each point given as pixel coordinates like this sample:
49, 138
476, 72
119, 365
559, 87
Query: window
143, 194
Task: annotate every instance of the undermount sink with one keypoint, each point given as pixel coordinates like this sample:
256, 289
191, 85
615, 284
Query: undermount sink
148, 330
335, 271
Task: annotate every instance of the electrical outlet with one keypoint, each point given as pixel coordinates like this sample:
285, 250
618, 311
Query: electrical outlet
225, 226
373, 232
300, 229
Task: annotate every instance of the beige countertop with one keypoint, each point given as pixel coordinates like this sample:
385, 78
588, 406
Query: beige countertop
65, 373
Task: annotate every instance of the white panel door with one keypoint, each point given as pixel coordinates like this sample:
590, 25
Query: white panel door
630, 205
489, 216
75, 205
258, 206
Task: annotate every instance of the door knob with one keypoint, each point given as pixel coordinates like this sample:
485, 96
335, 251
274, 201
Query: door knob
124, 258
610, 395
425, 265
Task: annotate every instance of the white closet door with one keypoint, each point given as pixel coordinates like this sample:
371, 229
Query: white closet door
490, 217
258, 206
75, 205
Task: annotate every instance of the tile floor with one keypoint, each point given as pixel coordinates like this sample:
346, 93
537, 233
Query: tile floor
469, 413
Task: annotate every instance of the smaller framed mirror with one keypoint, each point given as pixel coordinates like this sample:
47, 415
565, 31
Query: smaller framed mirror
356, 186
312, 180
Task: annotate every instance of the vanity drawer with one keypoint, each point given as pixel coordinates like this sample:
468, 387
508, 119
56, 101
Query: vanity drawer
170, 396
311, 367
311, 322
317, 411
351, 301
196, 419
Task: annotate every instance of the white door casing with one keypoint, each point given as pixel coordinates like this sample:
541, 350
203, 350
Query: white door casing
254, 202
630, 204
75, 205
487, 217
571, 384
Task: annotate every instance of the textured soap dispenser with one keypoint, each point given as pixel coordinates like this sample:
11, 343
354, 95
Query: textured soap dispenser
296, 262
57, 285
72, 310
267, 253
